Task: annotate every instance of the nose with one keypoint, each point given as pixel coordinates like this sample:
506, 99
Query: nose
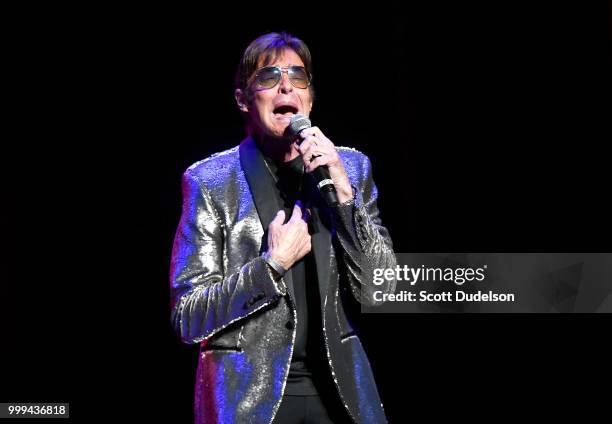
285, 85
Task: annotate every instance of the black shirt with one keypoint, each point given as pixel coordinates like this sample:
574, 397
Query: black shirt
308, 363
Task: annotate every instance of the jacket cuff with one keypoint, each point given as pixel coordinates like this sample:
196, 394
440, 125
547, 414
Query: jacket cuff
273, 264
265, 287
352, 220
276, 272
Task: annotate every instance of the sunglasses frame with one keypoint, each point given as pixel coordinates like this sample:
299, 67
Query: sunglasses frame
284, 70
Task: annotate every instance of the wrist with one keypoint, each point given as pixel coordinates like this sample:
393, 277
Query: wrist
345, 194
277, 266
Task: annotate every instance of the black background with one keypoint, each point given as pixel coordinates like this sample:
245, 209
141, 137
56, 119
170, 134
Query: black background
487, 126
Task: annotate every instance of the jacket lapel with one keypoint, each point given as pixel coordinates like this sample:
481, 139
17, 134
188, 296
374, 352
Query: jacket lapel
321, 248
260, 180
321, 236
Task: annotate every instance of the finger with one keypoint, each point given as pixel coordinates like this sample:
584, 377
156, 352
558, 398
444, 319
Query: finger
301, 227
296, 215
302, 241
318, 134
307, 246
279, 218
309, 153
307, 132
312, 131
316, 162
306, 143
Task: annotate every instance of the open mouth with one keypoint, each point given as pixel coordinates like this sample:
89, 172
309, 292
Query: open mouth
284, 111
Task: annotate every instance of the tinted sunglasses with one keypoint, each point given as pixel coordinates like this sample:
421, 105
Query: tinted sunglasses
269, 76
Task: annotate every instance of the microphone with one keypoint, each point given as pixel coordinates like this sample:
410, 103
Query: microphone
326, 187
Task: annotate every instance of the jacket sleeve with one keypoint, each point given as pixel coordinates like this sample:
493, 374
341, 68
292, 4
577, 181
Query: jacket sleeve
203, 299
366, 244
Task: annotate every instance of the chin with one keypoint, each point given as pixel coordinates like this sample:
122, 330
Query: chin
282, 138
276, 132
272, 134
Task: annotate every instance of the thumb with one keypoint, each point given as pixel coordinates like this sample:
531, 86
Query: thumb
296, 215
279, 218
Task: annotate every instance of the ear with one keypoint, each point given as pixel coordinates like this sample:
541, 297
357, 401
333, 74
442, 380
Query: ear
241, 100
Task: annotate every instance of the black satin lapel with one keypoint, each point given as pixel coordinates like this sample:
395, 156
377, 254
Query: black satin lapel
321, 246
260, 180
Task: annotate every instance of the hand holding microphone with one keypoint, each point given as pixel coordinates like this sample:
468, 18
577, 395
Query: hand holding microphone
321, 160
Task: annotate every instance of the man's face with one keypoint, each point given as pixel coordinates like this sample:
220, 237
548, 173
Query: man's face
272, 108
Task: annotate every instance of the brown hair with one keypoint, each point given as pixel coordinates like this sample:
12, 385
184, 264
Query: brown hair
267, 48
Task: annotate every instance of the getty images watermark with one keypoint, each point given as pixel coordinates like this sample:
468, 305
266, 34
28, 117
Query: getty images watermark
509, 282
423, 274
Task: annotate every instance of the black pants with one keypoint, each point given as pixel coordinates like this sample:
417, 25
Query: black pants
311, 410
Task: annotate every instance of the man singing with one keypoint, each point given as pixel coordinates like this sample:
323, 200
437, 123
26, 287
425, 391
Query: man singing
265, 275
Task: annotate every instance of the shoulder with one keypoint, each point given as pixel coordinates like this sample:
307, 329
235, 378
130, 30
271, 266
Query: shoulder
350, 153
215, 167
355, 162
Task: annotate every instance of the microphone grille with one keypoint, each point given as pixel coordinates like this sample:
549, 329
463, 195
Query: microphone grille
298, 123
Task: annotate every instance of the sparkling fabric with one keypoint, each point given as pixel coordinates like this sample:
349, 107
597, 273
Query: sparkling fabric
224, 297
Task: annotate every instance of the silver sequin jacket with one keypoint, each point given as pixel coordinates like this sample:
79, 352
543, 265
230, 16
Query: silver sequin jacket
224, 297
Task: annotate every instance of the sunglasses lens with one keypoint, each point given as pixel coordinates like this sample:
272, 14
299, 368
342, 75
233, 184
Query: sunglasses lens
268, 77
298, 76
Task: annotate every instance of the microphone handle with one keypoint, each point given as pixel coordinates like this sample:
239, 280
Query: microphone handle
326, 186
324, 182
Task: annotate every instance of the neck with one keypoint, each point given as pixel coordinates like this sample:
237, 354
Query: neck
279, 149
